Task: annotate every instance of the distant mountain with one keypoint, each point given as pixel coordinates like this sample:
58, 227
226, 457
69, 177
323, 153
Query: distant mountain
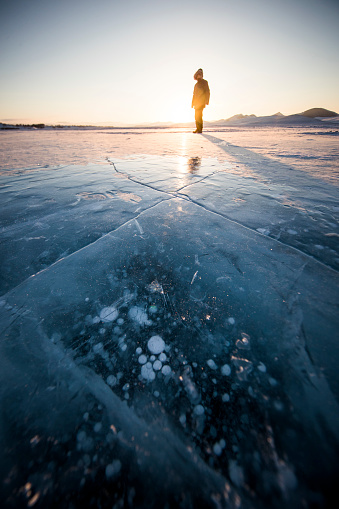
240, 116
318, 112
316, 116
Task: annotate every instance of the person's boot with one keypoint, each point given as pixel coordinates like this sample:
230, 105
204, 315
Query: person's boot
199, 127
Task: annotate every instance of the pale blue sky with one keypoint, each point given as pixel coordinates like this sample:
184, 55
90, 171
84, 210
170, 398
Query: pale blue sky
133, 61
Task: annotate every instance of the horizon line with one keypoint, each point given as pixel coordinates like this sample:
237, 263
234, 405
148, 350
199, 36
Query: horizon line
188, 123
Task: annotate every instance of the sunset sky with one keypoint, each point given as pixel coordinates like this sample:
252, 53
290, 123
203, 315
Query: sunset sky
132, 61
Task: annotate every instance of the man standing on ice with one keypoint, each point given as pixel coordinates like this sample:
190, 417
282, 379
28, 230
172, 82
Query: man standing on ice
201, 97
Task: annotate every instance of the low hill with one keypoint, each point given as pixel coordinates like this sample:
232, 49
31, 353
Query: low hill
318, 112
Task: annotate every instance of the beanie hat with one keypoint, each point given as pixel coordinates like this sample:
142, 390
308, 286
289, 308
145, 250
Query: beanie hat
199, 71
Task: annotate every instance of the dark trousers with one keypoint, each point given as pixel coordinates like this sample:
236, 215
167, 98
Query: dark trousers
198, 119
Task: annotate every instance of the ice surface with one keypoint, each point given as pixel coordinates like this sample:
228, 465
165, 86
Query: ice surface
174, 354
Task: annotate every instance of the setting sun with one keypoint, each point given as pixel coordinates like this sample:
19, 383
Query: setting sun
180, 111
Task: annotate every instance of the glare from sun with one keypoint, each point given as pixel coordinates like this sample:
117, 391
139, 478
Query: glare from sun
180, 113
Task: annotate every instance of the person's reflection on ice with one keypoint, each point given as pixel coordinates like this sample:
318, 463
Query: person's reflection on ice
194, 164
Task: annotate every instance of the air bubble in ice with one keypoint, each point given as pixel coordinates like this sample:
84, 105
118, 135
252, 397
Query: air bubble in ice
138, 315
98, 348
157, 365
262, 367
236, 473
182, 419
190, 387
147, 373
162, 357
226, 370
81, 436
199, 410
166, 370
156, 345
97, 427
111, 380
217, 449
278, 405
142, 359
108, 314
212, 364
113, 469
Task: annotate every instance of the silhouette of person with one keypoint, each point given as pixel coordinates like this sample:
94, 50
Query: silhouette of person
201, 97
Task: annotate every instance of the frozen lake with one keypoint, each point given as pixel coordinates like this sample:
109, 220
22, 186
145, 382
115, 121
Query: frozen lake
169, 317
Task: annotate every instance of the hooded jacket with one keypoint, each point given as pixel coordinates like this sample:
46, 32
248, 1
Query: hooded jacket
201, 94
